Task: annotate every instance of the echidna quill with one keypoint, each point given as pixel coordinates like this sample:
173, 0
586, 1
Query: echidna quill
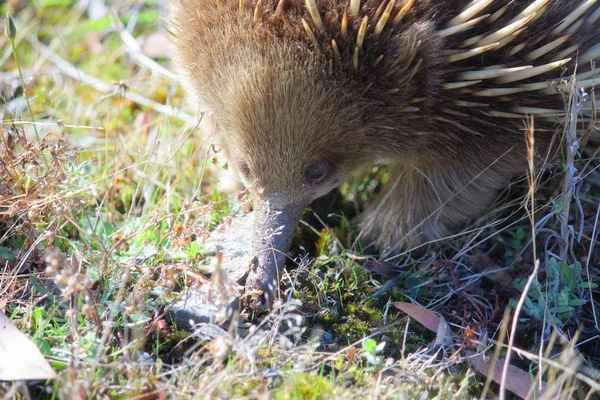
307, 91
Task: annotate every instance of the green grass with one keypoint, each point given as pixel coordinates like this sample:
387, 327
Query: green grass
103, 220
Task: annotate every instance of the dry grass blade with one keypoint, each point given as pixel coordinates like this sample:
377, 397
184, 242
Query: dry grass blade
72, 72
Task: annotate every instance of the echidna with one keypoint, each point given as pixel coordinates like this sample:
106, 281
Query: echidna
307, 91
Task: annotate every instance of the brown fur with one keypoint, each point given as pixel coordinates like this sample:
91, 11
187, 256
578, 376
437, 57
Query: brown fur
283, 103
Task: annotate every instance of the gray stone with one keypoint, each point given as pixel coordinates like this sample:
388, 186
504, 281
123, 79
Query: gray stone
235, 244
207, 305
16, 106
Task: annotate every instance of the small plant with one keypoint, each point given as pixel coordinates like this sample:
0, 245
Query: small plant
560, 298
371, 351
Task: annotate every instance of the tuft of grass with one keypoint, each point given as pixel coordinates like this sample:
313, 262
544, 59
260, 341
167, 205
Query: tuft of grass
304, 386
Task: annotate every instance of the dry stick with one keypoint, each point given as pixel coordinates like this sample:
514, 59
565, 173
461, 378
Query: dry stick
513, 329
71, 71
28, 73
594, 231
496, 357
58, 123
532, 185
569, 185
136, 52
587, 266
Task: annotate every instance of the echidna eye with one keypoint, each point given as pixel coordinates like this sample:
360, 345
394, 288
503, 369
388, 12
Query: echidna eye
317, 172
244, 170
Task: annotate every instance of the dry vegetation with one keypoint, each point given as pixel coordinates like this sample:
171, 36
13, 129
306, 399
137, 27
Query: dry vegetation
108, 191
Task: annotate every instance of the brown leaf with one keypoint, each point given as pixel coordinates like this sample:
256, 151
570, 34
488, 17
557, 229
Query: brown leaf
425, 317
20, 359
518, 381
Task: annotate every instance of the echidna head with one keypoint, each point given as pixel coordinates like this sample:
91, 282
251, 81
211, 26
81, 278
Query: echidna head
293, 135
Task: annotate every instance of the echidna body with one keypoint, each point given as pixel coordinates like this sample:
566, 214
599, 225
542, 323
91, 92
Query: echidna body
306, 92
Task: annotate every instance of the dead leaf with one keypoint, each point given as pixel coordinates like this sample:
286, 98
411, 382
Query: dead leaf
425, 317
20, 359
518, 381
429, 320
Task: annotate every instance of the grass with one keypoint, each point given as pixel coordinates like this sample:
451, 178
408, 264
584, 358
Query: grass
103, 220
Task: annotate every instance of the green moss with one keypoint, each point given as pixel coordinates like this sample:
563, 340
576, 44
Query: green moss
304, 386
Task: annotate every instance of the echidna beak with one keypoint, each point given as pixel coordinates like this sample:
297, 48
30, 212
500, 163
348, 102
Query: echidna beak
273, 233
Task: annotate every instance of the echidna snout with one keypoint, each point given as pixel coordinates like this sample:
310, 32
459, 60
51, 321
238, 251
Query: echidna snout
273, 234
437, 89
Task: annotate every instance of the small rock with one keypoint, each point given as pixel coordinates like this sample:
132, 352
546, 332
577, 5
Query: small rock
207, 305
142, 357
235, 244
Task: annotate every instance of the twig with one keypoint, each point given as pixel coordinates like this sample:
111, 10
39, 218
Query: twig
587, 267
135, 51
71, 71
9, 75
570, 181
513, 329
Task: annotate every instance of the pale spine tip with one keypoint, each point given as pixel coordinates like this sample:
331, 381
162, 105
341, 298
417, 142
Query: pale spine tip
257, 11
531, 72
471, 53
360, 37
384, 18
313, 10
504, 32
355, 58
574, 16
354, 7
474, 8
403, 11
310, 33
344, 25
336, 49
